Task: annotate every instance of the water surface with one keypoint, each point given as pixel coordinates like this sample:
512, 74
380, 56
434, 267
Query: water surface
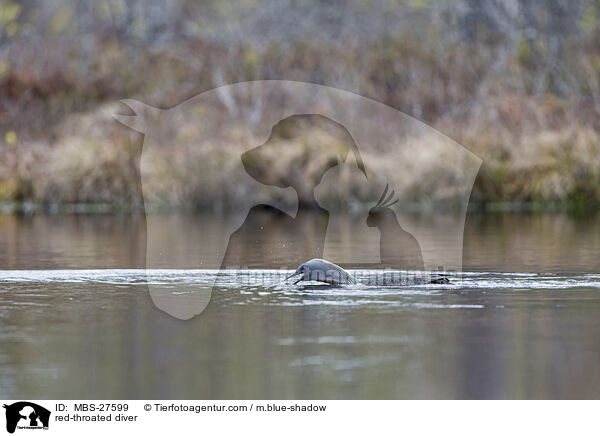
521, 321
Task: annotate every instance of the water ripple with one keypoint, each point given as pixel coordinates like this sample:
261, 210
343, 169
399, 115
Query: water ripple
267, 287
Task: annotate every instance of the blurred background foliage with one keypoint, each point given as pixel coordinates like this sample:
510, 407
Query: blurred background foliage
516, 82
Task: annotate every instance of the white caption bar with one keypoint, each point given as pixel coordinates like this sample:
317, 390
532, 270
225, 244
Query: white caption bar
299, 417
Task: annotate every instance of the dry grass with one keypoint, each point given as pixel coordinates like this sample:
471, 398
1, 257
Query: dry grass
90, 158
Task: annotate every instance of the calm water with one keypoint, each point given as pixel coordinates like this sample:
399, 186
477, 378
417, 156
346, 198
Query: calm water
76, 320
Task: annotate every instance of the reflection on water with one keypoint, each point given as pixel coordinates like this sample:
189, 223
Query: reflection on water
76, 320
72, 241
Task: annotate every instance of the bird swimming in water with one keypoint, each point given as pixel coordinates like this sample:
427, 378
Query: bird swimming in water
320, 270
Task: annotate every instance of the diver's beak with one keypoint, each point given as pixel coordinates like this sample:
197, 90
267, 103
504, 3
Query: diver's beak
295, 274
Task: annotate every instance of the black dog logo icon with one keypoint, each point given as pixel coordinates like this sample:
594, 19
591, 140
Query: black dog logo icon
26, 415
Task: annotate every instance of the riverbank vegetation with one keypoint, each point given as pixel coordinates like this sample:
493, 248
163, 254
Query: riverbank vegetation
515, 82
